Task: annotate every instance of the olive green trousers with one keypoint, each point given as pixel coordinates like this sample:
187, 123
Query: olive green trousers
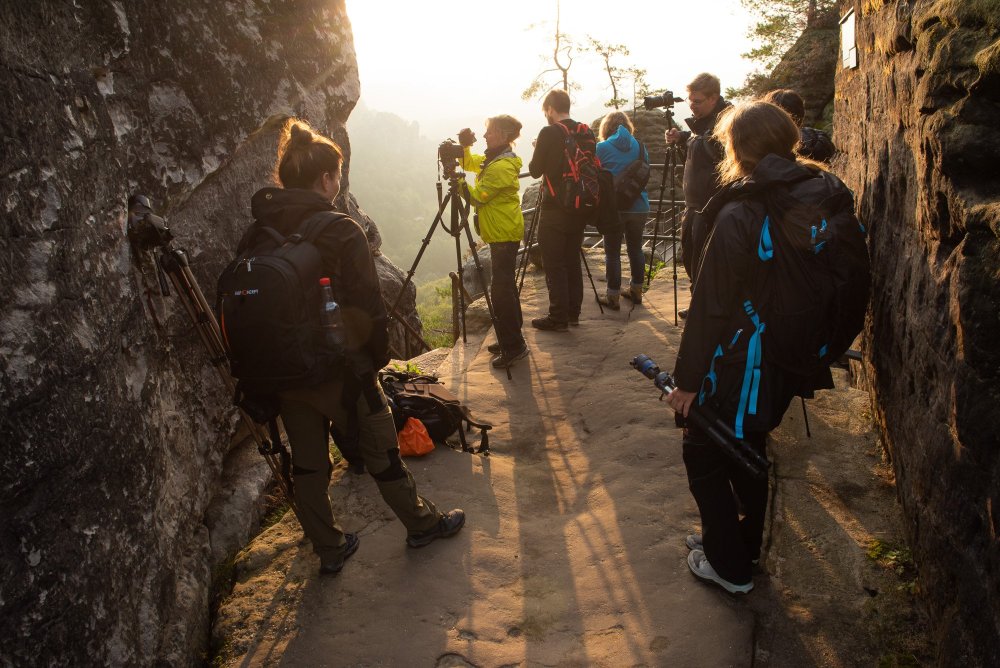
306, 414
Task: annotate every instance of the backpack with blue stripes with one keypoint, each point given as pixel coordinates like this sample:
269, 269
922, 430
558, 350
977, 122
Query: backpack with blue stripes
805, 308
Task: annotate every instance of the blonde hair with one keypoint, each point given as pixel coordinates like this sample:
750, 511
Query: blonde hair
507, 124
706, 84
749, 132
612, 121
304, 155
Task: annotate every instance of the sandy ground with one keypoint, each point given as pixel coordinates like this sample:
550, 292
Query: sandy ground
574, 553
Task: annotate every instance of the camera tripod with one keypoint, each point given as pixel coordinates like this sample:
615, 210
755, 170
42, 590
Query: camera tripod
458, 222
148, 233
669, 167
529, 241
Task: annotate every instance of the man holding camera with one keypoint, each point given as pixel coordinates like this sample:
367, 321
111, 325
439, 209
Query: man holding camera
703, 156
560, 232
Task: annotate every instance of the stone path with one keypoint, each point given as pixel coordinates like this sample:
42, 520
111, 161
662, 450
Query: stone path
574, 549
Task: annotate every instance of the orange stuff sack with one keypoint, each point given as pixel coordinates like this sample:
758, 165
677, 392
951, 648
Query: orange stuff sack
414, 441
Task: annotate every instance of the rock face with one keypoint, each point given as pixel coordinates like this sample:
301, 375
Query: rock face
117, 431
809, 67
918, 123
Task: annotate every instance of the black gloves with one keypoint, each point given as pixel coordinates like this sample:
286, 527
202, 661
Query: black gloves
466, 137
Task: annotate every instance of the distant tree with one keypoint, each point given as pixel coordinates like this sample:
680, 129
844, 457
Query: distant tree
640, 88
562, 57
780, 23
606, 52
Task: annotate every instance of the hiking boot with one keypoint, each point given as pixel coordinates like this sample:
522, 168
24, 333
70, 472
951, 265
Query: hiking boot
504, 360
494, 348
336, 564
682, 314
611, 301
699, 565
547, 324
448, 525
633, 293
694, 542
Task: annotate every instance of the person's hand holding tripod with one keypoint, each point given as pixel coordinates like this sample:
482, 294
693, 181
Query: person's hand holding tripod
680, 400
672, 136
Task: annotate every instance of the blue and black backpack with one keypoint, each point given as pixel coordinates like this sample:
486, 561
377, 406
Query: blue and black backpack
802, 314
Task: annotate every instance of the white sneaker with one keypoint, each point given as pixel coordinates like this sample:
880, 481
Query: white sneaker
699, 565
694, 542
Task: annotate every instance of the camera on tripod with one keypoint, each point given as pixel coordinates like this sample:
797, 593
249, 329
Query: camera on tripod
656, 101
449, 153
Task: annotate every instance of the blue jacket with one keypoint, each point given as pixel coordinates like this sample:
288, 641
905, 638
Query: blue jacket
616, 153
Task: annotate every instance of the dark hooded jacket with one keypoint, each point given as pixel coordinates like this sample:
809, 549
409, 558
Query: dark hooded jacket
715, 337
701, 181
703, 156
347, 261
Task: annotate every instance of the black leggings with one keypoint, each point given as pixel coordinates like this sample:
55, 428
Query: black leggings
722, 489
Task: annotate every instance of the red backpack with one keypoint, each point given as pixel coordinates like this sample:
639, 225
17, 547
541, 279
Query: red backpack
578, 191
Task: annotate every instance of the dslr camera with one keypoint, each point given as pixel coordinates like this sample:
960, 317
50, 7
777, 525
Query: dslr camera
655, 101
449, 153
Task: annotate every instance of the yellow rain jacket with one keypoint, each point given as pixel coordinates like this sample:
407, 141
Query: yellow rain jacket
496, 196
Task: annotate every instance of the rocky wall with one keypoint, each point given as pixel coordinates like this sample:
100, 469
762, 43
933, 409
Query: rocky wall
115, 429
918, 122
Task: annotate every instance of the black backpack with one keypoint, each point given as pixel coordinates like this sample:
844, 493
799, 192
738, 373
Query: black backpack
424, 398
268, 307
814, 292
608, 220
803, 312
631, 181
578, 190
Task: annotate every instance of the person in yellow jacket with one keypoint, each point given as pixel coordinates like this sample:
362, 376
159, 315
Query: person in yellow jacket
496, 197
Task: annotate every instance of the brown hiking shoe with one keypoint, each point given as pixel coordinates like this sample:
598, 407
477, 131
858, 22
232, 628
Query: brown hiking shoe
611, 301
633, 293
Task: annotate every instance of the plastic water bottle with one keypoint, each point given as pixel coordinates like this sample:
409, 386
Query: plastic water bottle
330, 315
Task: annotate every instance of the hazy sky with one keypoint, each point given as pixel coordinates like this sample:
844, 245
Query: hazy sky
451, 64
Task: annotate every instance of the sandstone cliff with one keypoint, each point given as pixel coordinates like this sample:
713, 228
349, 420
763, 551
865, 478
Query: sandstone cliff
918, 124
116, 432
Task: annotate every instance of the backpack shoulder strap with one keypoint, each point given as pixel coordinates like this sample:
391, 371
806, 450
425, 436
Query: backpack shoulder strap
311, 227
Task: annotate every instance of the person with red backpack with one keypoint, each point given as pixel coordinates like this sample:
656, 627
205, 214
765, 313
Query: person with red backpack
296, 226
781, 292
564, 158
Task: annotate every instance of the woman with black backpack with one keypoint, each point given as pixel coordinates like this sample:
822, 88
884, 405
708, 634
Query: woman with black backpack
781, 292
308, 171
618, 150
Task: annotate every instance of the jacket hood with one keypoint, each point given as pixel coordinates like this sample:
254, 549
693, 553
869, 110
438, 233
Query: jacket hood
806, 184
283, 208
621, 139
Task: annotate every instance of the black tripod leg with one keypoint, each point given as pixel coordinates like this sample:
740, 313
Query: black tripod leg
420, 253
586, 266
530, 240
673, 224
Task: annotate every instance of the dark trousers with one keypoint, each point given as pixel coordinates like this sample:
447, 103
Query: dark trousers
722, 488
503, 292
560, 236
